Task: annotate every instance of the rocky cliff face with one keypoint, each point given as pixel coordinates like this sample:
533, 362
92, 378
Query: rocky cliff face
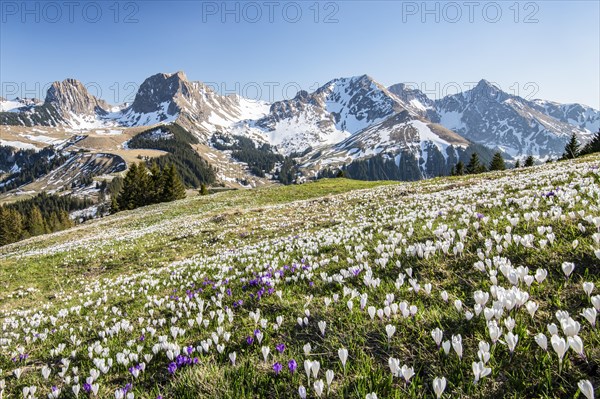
347, 120
160, 89
582, 116
67, 103
402, 141
330, 114
414, 99
164, 98
71, 97
518, 127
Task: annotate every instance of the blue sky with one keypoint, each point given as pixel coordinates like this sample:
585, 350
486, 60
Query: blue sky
540, 49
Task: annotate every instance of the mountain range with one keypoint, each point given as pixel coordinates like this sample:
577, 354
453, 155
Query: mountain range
347, 120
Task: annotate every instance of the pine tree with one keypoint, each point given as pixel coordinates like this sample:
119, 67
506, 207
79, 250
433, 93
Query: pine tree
114, 204
35, 224
143, 194
592, 146
475, 165
10, 226
65, 220
172, 188
155, 184
529, 161
136, 188
4, 232
497, 162
126, 198
460, 168
572, 148
53, 223
203, 189
518, 164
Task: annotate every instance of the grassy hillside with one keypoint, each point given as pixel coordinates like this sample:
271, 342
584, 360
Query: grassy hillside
220, 296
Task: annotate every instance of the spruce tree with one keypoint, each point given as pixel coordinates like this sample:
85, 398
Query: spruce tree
126, 198
4, 233
35, 222
10, 226
497, 162
475, 165
529, 161
114, 204
592, 146
143, 194
460, 168
53, 223
518, 164
155, 184
203, 189
65, 220
572, 148
172, 188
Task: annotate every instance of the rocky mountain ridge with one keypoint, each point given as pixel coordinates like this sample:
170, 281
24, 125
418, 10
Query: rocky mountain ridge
345, 121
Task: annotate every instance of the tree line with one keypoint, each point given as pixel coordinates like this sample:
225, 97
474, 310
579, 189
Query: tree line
260, 159
41, 214
573, 149
29, 164
142, 186
193, 170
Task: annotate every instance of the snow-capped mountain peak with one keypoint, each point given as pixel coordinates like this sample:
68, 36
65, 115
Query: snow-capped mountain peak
518, 127
333, 112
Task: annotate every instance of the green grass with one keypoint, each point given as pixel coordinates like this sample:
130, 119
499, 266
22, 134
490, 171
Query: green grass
155, 249
329, 225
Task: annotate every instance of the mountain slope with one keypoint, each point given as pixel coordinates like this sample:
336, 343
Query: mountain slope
165, 98
415, 145
162, 98
518, 127
347, 120
332, 113
67, 103
579, 115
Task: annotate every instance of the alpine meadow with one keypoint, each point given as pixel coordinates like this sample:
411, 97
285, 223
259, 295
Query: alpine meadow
281, 224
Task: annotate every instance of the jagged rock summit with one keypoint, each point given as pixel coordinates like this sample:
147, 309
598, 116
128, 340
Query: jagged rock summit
71, 97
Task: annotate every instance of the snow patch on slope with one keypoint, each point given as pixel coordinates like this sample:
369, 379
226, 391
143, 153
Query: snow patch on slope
19, 144
10, 106
131, 118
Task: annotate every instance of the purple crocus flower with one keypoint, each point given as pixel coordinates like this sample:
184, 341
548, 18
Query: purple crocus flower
172, 368
292, 365
280, 347
250, 340
87, 387
277, 367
